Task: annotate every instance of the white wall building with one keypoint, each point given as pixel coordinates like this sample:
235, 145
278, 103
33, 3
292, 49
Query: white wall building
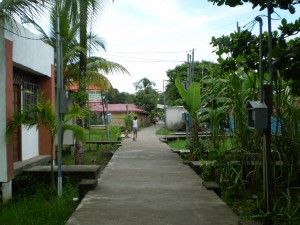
26, 69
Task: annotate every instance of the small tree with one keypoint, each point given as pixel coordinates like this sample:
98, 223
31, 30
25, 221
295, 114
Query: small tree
42, 114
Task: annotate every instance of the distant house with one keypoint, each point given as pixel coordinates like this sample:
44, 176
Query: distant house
120, 111
26, 69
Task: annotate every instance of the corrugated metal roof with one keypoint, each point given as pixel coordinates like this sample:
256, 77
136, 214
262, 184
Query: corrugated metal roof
117, 108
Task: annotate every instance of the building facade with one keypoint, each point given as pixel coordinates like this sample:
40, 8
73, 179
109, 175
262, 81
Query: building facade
26, 69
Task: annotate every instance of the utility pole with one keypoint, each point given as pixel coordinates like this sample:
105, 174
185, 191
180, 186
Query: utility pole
188, 76
59, 103
268, 97
192, 67
165, 108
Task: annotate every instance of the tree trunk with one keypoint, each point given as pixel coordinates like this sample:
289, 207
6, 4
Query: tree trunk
52, 162
82, 73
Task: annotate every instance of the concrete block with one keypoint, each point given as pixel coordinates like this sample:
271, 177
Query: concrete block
6, 191
212, 186
86, 185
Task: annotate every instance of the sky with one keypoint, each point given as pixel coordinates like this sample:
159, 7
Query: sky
149, 38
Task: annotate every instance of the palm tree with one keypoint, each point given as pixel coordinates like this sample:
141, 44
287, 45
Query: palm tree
96, 67
87, 10
9, 10
43, 114
93, 69
144, 84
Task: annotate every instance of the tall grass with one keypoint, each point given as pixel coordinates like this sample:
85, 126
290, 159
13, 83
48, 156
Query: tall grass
36, 203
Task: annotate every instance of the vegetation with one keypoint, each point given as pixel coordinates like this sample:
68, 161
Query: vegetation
191, 101
34, 203
42, 114
218, 98
146, 97
162, 131
93, 154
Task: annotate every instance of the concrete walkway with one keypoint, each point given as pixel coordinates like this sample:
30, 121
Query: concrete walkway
146, 184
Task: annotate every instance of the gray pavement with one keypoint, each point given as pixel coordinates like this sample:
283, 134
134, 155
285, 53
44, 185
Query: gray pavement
146, 184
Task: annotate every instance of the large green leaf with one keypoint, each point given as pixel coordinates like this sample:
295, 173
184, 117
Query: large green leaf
181, 90
193, 98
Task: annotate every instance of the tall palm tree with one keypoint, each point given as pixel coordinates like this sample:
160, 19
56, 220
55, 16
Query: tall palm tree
92, 69
83, 12
144, 84
96, 67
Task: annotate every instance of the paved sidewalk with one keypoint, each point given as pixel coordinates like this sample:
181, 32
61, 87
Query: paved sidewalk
146, 184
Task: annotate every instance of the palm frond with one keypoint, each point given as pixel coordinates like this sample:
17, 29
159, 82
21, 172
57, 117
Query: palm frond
108, 67
20, 118
77, 112
98, 80
10, 10
78, 131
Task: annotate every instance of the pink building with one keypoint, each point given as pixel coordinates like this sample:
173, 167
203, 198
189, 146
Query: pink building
119, 111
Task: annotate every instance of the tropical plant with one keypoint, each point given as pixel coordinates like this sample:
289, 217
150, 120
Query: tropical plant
146, 100
128, 121
191, 102
11, 11
42, 114
282, 4
144, 85
201, 69
96, 67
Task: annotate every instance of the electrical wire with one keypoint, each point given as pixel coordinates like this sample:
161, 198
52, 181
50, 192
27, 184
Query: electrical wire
19, 35
145, 52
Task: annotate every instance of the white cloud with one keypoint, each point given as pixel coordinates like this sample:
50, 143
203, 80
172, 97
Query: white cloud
163, 26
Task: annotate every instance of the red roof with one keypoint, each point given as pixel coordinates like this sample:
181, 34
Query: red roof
117, 108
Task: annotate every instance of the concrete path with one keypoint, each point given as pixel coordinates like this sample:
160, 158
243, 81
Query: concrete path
146, 184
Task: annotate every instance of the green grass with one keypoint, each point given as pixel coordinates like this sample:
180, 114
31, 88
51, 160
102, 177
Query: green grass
162, 131
36, 203
178, 144
93, 154
101, 135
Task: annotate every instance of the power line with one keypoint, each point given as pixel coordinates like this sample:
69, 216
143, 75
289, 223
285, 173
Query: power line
19, 35
137, 58
149, 61
148, 52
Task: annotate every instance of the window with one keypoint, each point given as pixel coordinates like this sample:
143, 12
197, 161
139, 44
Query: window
30, 94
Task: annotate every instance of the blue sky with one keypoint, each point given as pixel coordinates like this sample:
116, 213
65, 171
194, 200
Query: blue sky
150, 37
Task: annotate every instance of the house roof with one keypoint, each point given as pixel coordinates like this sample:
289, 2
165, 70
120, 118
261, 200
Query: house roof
117, 108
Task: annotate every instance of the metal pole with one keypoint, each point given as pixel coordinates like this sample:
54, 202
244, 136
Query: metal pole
107, 124
188, 71
267, 204
59, 87
165, 109
258, 18
192, 66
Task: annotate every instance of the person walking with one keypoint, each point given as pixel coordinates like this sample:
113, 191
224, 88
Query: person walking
135, 127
